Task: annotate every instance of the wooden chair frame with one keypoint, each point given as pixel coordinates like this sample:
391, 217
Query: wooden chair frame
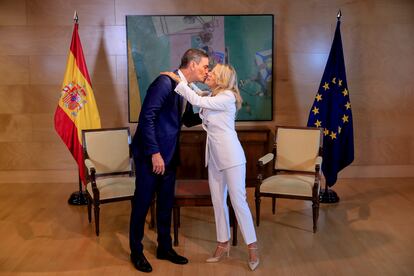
92, 176
265, 160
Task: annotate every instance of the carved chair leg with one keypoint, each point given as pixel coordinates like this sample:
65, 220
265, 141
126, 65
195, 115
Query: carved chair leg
89, 208
230, 208
152, 213
96, 211
233, 222
176, 219
235, 225
232, 215
315, 213
258, 210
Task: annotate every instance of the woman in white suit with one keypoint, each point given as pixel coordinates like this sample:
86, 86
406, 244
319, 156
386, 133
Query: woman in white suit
224, 156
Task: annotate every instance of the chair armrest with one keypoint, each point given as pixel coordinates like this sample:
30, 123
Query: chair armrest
90, 166
318, 174
318, 161
260, 165
91, 171
318, 166
265, 159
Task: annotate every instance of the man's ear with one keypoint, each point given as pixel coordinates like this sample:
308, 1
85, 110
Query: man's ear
192, 65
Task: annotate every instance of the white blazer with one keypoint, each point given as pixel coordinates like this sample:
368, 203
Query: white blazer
218, 115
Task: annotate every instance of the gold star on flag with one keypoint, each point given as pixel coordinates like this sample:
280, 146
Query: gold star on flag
318, 123
333, 135
340, 83
318, 97
345, 92
334, 80
345, 118
325, 131
348, 105
315, 110
326, 86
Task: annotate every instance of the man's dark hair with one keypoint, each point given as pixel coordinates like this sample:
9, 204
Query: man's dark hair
192, 55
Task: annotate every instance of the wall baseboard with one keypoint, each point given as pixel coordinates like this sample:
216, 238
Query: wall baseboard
39, 176
377, 171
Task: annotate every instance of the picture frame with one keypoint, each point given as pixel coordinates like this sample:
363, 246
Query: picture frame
155, 43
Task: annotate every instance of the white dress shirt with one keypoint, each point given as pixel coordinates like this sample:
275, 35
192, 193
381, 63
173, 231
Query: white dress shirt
184, 102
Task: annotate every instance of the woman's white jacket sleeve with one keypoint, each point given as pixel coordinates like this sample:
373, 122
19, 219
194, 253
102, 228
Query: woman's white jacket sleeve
219, 102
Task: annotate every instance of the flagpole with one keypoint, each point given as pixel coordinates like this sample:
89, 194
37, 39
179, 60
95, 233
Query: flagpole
79, 197
328, 195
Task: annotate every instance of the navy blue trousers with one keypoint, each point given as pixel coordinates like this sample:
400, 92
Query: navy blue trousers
148, 184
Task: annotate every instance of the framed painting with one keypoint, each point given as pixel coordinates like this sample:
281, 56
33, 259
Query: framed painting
156, 43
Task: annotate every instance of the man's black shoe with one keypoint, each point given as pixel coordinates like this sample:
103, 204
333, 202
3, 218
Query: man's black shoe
140, 262
171, 256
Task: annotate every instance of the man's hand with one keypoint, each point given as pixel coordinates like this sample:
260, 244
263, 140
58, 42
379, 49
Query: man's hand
158, 165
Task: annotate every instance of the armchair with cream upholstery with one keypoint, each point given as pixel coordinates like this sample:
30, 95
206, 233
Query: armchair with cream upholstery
110, 168
297, 161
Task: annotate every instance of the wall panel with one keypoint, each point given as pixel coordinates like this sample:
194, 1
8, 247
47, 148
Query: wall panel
14, 70
378, 44
13, 12
60, 12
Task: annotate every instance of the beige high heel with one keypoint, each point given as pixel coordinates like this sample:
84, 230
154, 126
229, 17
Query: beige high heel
224, 253
253, 264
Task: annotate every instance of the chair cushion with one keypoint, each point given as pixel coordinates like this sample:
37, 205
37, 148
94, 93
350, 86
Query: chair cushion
300, 185
114, 187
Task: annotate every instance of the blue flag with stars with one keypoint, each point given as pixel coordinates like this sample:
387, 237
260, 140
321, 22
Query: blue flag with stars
332, 112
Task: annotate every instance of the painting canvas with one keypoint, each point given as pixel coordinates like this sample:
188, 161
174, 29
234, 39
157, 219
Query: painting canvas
156, 43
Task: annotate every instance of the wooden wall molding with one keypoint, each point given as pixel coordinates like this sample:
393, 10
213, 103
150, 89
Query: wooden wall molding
71, 177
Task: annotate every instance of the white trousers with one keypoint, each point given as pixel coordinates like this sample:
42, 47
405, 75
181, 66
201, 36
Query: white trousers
232, 180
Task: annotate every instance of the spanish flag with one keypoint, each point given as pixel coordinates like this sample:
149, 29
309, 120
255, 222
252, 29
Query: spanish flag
77, 108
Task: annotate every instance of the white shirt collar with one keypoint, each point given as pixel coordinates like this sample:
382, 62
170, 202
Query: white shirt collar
182, 77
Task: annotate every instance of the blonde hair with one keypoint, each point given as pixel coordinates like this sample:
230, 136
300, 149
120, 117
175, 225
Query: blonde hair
226, 79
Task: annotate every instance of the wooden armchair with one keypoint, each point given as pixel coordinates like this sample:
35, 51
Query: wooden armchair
110, 168
297, 161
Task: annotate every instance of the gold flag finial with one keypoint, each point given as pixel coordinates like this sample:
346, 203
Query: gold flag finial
339, 14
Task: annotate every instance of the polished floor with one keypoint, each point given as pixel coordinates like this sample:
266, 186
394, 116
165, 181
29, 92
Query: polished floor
370, 232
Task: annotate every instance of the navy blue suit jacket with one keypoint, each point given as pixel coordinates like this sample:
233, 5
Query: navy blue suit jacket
160, 122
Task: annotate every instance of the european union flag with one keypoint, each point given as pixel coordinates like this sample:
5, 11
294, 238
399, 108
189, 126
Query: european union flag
332, 111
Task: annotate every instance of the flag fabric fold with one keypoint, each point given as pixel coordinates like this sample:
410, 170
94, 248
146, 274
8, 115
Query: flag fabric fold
332, 112
77, 109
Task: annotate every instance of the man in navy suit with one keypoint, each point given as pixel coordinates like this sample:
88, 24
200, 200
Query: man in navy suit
155, 148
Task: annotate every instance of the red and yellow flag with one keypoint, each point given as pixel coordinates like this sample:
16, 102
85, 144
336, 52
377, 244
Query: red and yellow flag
77, 108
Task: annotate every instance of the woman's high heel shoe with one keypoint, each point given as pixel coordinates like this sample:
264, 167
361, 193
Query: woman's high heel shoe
225, 251
253, 264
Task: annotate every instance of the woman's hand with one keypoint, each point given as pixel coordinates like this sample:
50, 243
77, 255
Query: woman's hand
171, 75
